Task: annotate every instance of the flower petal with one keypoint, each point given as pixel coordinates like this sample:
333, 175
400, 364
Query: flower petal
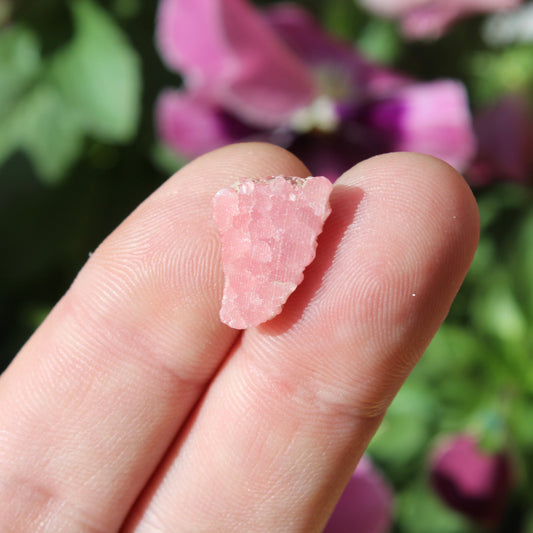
296, 26
192, 127
227, 50
431, 18
342, 73
431, 118
471, 481
365, 504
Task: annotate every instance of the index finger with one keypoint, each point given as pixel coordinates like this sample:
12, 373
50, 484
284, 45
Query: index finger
95, 398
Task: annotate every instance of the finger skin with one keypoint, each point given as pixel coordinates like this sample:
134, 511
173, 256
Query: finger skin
94, 399
280, 429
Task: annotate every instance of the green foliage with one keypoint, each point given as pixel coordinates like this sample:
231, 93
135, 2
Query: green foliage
91, 86
342, 18
92, 142
419, 511
499, 72
99, 75
20, 60
379, 41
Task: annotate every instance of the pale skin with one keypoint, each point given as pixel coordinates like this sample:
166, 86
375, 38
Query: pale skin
133, 408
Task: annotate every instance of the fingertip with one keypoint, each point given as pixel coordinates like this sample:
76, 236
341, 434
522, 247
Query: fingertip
247, 159
420, 181
393, 254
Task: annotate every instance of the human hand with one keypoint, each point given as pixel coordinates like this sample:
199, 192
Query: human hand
134, 408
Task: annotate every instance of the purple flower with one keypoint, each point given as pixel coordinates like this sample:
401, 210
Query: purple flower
232, 58
365, 504
278, 77
431, 18
428, 117
471, 481
193, 125
505, 137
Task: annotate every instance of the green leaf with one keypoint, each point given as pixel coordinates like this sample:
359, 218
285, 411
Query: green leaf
452, 353
497, 311
379, 41
501, 72
520, 422
98, 74
496, 202
91, 86
341, 18
419, 511
39, 125
20, 63
50, 134
522, 264
401, 440
491, 426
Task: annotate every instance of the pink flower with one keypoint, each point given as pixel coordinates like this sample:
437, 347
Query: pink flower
427, 117
471, 481
431, 18
193, 125
232, 57
276, 76
365, 505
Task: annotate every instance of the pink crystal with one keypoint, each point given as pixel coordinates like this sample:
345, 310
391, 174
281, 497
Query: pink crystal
268, 228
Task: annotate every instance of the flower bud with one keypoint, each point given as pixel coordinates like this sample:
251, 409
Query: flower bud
471, 481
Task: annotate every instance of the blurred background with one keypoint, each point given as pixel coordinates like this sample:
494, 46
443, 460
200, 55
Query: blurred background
101, 101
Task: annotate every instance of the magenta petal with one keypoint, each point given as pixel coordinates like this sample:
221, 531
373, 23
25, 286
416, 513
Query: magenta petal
434, 18
365, 505
430, 21
437, 121
342, 73
305, 36
470, 481
431, 18
192, 127
431, 118
228, 50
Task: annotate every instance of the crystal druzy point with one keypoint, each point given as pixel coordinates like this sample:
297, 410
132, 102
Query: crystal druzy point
268, 229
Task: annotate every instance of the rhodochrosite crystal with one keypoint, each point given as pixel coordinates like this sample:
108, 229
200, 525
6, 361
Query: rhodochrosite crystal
268, 228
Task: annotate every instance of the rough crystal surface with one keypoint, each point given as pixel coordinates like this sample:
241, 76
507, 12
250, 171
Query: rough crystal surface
268, 230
